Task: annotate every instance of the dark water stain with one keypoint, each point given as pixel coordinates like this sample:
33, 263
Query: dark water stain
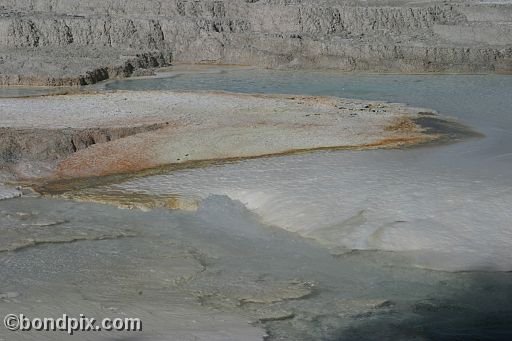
480, 311
450, 131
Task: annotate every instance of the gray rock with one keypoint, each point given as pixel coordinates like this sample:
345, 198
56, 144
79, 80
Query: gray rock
74, 42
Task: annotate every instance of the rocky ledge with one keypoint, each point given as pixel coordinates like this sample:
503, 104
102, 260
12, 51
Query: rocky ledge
46, 42
125, 132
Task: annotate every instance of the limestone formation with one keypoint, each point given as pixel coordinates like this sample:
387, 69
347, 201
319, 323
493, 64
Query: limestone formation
126, 132
72, 42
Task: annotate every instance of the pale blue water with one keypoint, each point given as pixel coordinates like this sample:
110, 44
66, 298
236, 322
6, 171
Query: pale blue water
450, 200
439, 186
458, 193
484, 102
466, 96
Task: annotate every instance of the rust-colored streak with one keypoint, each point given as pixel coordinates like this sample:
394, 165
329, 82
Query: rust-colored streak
106, 159
390, 142
403, 125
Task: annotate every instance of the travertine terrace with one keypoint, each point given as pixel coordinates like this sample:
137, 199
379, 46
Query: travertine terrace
73, 42
132, 131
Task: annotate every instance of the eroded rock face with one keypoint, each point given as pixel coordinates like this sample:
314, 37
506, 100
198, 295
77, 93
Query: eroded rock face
44, 144
462, 36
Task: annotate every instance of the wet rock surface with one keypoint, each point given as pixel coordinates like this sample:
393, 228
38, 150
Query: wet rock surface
186, 277
54, 144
